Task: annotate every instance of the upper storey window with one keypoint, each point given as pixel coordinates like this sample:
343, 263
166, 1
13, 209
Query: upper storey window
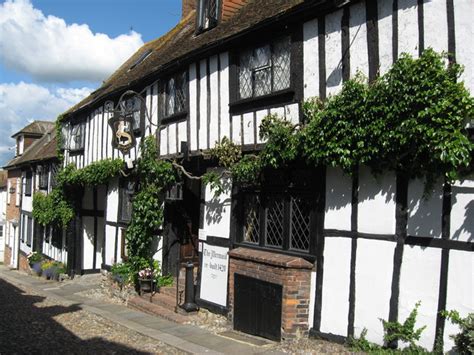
175, 95
133, 105
207, 14
77, 136
266, 69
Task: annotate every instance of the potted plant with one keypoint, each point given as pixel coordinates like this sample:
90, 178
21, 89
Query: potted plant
35, 260
146, 280
52, 269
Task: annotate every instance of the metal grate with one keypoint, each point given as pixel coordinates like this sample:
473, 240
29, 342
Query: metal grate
300, 224
252, 219
281, 64
274, 230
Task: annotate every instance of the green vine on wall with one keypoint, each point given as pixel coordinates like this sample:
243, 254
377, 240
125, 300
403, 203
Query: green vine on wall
410, 120
58, 207
154, 176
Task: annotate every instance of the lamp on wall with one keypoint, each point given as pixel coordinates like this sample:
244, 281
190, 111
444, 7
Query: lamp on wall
12, 190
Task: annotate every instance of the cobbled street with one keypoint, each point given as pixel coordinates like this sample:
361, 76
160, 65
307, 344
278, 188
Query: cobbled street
32, 323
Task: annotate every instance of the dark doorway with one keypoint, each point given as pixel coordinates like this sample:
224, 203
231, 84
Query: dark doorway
257, 307
181, 226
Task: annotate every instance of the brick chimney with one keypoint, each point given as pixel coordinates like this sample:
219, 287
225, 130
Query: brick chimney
188, 6
231, 7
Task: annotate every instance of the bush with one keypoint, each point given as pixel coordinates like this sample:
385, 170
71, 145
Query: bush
465, 339
51, 269
121, 273
34, 257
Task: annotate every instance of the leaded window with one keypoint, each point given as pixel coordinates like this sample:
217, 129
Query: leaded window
29, 231
127, 189
175, 95
77, 138
133, 107
43, 173
278, 218
28, 183
265, 69
208, 12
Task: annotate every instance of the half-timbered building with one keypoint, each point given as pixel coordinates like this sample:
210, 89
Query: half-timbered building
315, 250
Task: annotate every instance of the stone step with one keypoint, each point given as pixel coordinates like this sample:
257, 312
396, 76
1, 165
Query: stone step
163, 299
143, 304
171, 290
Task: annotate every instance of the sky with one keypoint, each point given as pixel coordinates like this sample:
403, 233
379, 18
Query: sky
53, 53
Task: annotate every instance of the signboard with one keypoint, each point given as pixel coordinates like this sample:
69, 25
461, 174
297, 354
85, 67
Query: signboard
214, 274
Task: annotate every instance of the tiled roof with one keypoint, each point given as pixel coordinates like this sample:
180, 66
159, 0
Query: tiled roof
181, 42
42, 149
36, 128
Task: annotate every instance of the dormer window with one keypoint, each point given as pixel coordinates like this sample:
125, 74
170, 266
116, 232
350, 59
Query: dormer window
207, 13
20, 145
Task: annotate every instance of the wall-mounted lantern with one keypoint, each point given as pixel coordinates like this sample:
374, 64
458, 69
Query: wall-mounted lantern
12, 190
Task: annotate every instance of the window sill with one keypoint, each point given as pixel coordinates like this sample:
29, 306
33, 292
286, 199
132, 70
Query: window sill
303, 255
174, 118
260, 102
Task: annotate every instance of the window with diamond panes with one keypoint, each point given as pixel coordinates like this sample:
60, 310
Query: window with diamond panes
277, 220
207, 14
175, 95
133, 107
252, 219
266, 69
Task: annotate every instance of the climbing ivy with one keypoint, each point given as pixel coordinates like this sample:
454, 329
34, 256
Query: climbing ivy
58, 207
410, 120
154, 177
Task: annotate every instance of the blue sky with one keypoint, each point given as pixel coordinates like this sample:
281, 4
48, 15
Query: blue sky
54, 52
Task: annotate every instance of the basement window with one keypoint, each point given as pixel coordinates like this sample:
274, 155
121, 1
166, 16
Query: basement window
207, 14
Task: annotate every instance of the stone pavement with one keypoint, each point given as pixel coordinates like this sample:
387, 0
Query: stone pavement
187, 338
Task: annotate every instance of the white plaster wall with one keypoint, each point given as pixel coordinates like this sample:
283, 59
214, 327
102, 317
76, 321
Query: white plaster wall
193, 106
333, 52
109, 244
158, 253
312, 300
164, 141
338, 200
464, 34
214, 101
336, 281
384, 9
292, 113
359, 57
172, 138
27, 203
112, 201
462, 211
224, 95
100, 243
408, 27
217, 211
182, 133
310, 58
424, 212
435, 25
88, 243
376, 209
248, 128
203, 105
460, 294
236, 129
374, 269
419, 281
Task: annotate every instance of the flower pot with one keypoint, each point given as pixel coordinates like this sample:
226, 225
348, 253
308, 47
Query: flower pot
36, 268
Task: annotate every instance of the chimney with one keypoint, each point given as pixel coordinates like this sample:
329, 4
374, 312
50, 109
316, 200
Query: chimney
187, 6
231, 7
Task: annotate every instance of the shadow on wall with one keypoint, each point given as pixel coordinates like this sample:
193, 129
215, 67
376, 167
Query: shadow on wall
216, 206
468, 224
31, 328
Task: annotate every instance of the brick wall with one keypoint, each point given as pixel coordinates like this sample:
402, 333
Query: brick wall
13, 211
23, 264
293, 273
7, 255
187, 6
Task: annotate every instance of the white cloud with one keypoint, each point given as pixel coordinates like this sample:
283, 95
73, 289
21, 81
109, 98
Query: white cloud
21, 103
49, 49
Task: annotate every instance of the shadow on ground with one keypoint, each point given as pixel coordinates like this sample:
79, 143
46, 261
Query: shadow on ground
26, 327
